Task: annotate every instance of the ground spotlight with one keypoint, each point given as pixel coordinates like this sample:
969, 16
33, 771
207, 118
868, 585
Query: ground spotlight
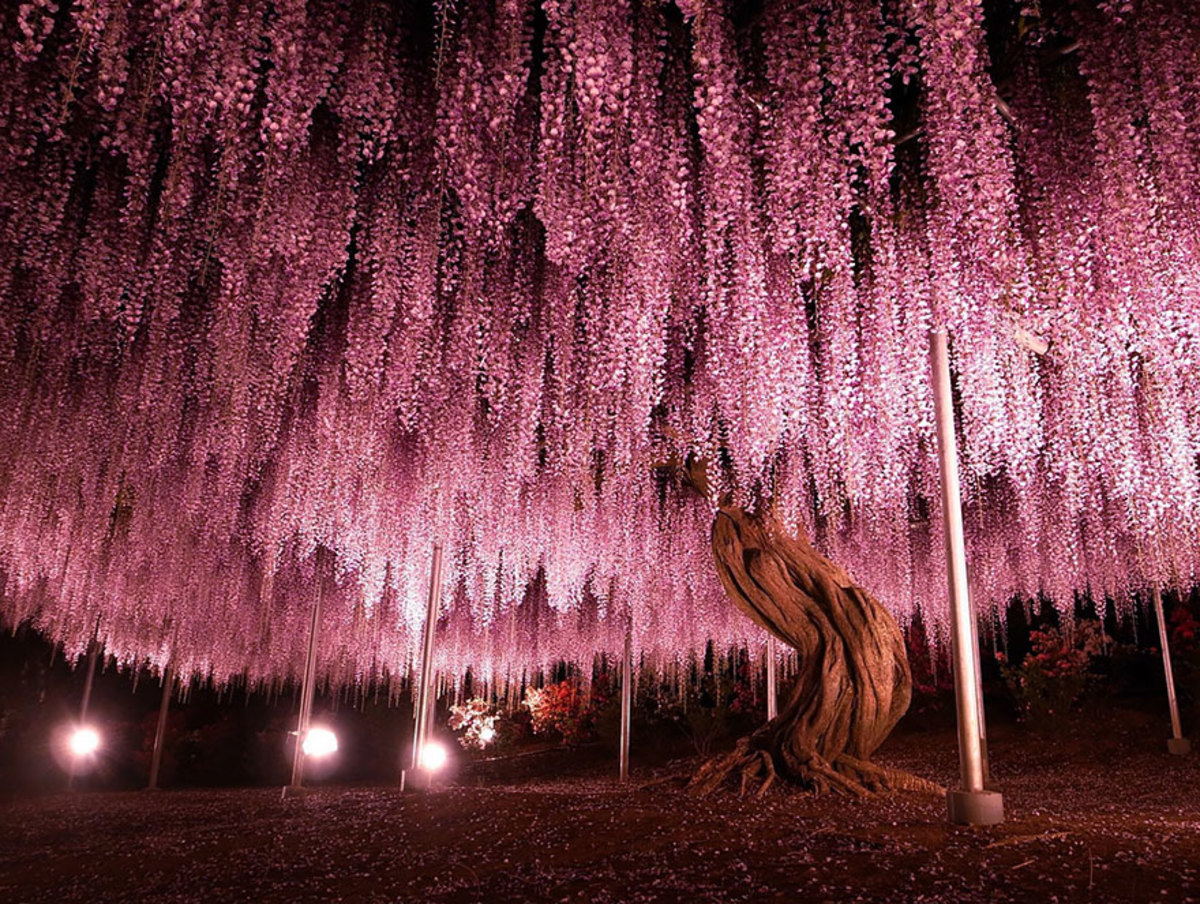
433, 756
83, 741
319, 742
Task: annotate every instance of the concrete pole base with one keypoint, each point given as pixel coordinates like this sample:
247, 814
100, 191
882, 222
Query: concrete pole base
1179, 746
975, 808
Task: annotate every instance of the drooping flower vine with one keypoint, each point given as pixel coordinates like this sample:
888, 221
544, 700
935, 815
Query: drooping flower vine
291, 290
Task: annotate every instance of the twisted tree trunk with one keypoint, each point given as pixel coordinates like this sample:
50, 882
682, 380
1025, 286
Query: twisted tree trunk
854, 682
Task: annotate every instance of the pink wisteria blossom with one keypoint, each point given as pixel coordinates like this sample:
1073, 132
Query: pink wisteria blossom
286, 275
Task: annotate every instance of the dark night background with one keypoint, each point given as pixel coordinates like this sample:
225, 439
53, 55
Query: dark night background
236, 737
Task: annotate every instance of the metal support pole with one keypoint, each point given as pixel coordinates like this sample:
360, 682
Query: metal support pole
424, 721
626, 699
772, 684
1177, 744
89, 680
306, 694
983, 744
160, 731
972, 804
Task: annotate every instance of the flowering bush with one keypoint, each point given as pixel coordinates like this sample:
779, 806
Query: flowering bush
563, 709
1054, 674
476, 719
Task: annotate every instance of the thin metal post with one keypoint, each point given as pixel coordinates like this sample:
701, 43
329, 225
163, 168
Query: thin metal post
306, 691
626, 699
89, 680
972, 804
424, 703
160, 730
982, 723
772, 684
1177, 743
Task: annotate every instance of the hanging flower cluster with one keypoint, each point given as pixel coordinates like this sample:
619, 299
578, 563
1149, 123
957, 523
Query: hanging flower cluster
292, 289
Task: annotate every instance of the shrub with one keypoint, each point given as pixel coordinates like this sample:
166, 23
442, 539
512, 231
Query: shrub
1054, 674
476, 721
564, 710
1185, 651
718, 705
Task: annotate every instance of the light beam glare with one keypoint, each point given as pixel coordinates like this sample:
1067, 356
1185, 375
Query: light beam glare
319, 743
83, 742
433, 757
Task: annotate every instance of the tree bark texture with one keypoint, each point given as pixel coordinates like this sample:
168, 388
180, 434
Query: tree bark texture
854, 682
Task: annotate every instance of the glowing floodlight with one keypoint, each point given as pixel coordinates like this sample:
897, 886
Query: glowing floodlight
319, 742
433, 757
83, 742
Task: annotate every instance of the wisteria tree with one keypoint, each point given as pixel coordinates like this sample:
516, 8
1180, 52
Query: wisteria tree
286, 275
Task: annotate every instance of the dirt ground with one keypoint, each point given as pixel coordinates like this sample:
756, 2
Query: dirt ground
1097, 812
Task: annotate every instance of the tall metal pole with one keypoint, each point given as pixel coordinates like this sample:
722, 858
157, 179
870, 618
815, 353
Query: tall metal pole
88, 681
424, 703
772, 684
160, 730
626, 698
972, 804
983, 742
306, 692
1177, 744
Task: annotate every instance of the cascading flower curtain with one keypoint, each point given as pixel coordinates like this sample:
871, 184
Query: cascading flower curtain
287, 275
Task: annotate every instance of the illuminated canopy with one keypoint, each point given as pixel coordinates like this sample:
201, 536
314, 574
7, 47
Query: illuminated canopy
288, 276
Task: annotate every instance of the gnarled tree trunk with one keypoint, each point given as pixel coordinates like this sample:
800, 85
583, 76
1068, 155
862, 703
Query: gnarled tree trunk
854, 682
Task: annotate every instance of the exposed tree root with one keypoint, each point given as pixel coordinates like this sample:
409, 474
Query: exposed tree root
846, 775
